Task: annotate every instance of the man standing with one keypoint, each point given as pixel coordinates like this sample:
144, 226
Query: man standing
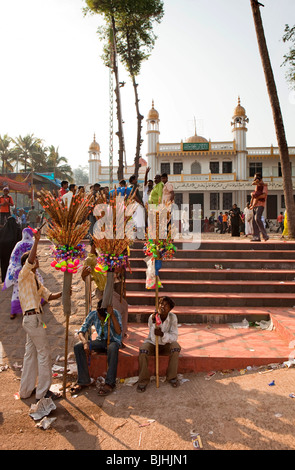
67, 197
5, 203
33, 217
37, 359
280, 221
156, 193
258, 202
139, 214
168, 190
147, 188
167, 333
63, 189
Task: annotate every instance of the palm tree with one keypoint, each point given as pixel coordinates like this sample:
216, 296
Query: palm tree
58, 165
7, 155
27, 149
277, 116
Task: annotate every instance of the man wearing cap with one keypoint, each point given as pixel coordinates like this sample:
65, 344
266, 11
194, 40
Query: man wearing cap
5, 203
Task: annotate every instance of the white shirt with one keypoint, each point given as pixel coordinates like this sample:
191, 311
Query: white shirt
67, 198
169, 327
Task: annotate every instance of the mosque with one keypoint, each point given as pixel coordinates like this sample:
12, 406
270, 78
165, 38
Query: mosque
215, 175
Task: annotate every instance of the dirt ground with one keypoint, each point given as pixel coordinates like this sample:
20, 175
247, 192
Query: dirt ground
230, 412
234, 410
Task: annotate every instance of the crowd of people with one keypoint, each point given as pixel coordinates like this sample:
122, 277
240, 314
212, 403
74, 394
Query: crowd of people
19, 269
250, 221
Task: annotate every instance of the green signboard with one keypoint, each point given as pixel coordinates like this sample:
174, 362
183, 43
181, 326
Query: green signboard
190, 146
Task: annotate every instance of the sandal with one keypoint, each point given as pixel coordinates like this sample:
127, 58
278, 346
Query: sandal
12, 316
105, 390
174, 383
141, 388
52, 395
76, 388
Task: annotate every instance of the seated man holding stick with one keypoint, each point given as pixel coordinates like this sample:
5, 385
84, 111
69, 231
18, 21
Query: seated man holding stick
168, 345
108, 325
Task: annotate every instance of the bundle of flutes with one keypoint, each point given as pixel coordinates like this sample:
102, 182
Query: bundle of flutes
159, 236
68, 225
115, 233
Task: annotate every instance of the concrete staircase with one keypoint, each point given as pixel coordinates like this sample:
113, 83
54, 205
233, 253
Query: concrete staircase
219, 284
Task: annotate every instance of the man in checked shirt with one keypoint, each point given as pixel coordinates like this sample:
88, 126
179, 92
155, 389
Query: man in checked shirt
37, 358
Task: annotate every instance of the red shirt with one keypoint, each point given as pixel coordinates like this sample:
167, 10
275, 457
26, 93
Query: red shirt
6, 207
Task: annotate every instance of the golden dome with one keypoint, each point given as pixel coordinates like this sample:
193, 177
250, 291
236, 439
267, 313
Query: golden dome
239, 111
196, 138
94, 147
153, 113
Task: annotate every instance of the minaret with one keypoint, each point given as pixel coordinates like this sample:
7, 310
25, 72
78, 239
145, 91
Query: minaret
153, 139
239, 130
94, 162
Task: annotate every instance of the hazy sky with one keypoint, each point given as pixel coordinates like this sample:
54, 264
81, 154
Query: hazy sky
54, 85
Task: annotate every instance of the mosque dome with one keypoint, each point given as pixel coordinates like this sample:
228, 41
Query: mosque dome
94, 146
153, 113
239, 111
196, 138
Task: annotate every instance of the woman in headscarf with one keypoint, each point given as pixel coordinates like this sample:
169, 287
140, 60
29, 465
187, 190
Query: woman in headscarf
11, 279
10, 234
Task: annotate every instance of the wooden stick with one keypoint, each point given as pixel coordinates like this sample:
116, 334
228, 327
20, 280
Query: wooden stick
157, 337
87, 295
66, 300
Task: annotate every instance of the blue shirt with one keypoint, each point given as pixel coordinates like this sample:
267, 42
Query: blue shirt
102, 329
121, 191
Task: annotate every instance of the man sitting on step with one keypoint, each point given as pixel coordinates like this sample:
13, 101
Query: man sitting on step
167, 332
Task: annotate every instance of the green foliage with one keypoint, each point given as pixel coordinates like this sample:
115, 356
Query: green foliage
29, 154
289, 61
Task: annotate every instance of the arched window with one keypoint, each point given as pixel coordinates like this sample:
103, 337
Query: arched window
196, 168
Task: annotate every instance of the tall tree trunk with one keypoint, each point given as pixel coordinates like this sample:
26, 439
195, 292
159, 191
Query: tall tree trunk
138, 114
139, 127
120, 171
277, 116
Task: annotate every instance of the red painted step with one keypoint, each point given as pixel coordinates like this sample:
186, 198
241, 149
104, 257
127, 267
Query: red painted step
204, 348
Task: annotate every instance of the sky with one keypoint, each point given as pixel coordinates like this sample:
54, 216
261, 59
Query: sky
55, 86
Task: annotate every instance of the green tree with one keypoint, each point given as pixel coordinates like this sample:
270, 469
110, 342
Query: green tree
7, 154
289, 61
57, 164
81, 175
128, 34
135, 41
109, 10
28, 151
277, 116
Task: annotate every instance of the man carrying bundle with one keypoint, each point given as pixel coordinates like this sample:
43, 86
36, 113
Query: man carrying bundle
37, 359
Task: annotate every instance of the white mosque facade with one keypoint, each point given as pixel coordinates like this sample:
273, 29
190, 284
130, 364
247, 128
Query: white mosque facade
215, 175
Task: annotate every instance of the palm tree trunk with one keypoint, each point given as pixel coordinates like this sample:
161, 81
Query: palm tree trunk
120, 172
277, 116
